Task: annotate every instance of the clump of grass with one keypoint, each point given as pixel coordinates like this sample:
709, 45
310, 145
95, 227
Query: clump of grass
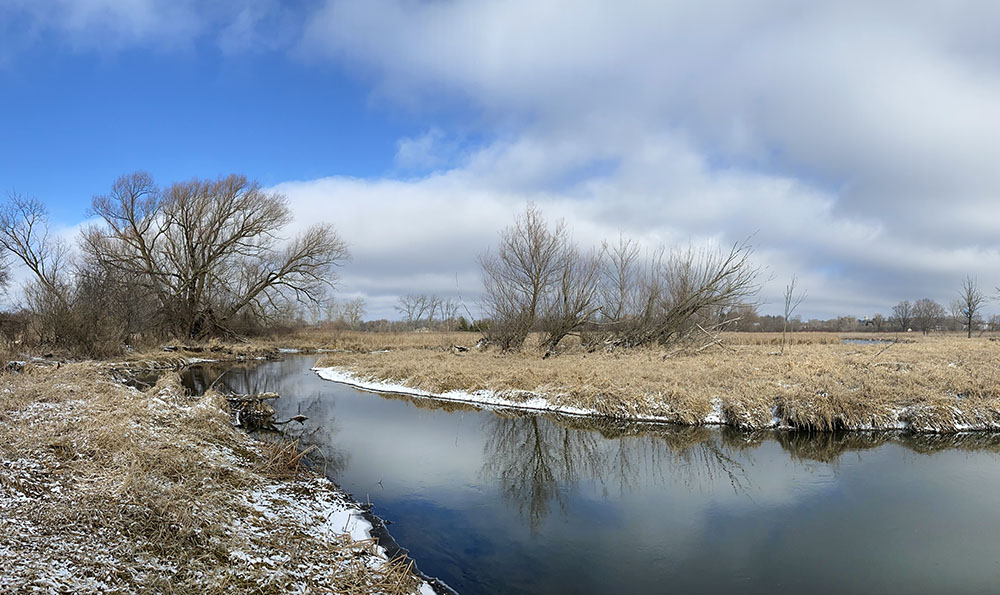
284, 459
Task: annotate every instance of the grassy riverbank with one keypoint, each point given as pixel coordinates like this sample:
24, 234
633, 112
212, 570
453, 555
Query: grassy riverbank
922, 384
106, 488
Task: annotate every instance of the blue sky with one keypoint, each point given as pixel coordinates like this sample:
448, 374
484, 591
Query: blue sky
855, 141
75, 120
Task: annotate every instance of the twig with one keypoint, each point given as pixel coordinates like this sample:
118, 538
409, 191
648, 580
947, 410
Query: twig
888, 345
715, 339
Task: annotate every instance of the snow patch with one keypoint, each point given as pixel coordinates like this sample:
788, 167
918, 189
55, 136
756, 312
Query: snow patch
717, 416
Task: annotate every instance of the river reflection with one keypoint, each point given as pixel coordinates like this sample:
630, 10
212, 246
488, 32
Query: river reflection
537, 459
505, 502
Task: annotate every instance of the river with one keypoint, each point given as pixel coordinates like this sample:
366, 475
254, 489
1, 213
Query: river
502, 502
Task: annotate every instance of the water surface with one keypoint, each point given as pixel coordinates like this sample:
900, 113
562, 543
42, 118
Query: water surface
501, 502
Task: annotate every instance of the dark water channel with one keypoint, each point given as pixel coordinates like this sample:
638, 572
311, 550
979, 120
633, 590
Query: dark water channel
510, 503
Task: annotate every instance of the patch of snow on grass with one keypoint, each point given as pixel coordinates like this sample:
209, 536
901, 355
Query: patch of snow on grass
717, 416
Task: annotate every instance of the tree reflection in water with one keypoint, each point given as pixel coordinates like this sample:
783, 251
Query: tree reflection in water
253, 378
537, 460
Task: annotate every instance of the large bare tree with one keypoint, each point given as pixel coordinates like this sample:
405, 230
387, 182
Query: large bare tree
518, 274
209, 250
24, 233
419, 309
73, 307
620, 268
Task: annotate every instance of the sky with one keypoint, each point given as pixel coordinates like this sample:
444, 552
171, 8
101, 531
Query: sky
855, 143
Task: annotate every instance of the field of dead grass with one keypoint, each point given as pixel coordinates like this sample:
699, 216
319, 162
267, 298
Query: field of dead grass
108, 489
926, 384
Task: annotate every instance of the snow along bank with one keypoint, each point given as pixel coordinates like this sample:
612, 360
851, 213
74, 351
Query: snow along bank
496, 400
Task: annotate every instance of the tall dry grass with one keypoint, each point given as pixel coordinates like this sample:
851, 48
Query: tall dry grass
112, 489
934, 384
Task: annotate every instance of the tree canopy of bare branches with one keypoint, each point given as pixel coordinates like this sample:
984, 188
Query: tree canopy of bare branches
927, 315
540, 280
902, 315
73, 307
517, 276
669, 295
208, 251
427, 311
24, 233
573, 298
970, 304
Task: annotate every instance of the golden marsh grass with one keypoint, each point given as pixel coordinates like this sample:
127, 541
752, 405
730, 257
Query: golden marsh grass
927, 384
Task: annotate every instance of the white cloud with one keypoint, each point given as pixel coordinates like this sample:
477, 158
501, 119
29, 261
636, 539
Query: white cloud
857, 139
418, 235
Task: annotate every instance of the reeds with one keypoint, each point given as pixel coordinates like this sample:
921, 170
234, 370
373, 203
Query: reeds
937, 384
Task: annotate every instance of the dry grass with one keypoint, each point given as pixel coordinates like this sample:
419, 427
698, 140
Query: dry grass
774, 339
933, 384
103, 488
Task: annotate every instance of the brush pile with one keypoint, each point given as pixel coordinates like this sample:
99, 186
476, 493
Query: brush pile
252, 412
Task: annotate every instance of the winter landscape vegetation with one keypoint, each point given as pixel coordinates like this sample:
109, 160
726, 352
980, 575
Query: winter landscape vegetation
475, 297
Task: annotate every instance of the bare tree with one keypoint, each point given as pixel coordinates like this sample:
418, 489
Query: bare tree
878, 322
83, 309
348, 313
792, 302
411, 306
927, 315
209, 250
619, 278
971, 302
672, 293
354, 312
518, 274
419, 309
902, 315
449, 310
573, 298
24, 232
